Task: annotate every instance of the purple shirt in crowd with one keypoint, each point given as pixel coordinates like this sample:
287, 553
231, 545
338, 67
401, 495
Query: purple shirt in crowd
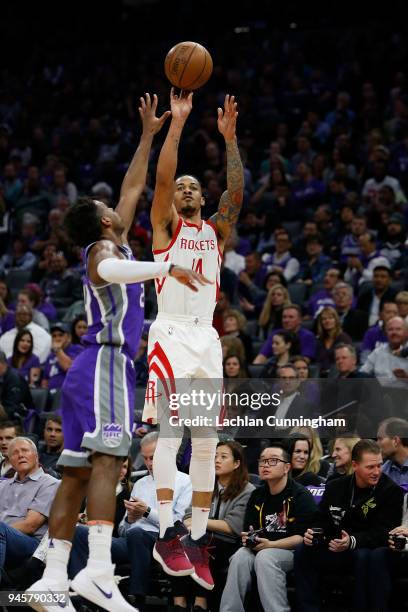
374, 335
24, 371
307, 342
53, 371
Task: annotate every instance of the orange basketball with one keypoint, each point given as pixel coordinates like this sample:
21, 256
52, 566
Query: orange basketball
188, 65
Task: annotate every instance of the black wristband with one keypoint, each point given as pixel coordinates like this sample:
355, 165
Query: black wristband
170, 269
146, 514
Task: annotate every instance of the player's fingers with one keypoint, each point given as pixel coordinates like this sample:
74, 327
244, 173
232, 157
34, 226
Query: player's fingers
142, 102
203, 280
141, 113
164, 116
219, 111
190, 285
226, 101
173, 95
155, 101
148, 101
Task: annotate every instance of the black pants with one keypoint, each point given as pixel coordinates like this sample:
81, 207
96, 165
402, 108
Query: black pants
370, 568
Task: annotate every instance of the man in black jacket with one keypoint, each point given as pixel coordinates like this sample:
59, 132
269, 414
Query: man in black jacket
356, 513
281, 508
372, 300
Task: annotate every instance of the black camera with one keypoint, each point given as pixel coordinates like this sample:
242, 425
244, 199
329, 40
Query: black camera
251, 541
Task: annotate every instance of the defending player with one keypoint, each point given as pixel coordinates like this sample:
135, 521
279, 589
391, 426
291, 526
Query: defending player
97, 400
182, 342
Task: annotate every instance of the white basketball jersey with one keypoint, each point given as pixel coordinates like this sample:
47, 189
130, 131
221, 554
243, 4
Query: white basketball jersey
196, 248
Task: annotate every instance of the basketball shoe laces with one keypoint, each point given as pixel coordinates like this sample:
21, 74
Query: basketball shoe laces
176, 547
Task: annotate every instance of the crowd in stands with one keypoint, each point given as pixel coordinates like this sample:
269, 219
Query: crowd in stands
314, 292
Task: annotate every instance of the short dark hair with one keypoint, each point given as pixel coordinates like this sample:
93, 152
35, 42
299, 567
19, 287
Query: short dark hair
396, 427
293, 307
364, 446
285, 454
82, 222
7, 424
56, 418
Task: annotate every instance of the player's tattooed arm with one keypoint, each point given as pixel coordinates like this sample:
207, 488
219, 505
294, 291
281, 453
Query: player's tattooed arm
231, 200
135, 178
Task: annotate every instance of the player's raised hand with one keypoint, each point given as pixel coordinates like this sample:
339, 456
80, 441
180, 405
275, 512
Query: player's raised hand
147, 112
189, 278
227, 118
181, 104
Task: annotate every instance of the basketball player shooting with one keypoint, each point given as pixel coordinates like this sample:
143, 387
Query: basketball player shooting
97, 399
182, 342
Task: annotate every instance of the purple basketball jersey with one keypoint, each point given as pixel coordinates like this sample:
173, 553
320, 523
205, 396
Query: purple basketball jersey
115, 312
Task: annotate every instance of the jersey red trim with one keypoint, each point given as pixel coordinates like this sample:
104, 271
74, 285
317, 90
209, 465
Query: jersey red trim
172, 241
199, 227
211, 224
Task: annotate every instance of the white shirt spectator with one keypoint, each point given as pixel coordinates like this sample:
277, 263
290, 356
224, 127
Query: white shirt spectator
372, 187
234, 261
41, 341
145, 489
381, 362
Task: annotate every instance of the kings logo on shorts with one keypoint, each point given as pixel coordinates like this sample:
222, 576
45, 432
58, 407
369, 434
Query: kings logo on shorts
112, 434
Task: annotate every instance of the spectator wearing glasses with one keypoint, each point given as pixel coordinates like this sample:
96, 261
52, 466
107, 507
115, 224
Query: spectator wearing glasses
281, 508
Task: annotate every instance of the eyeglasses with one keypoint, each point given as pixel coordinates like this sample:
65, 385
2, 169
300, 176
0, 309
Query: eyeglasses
270, 462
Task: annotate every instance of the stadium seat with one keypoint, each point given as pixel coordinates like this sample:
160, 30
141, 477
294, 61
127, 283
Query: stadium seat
39, 397
297, 292
17, 279
255, 369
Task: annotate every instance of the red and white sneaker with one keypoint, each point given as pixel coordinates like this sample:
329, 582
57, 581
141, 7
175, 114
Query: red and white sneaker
169, 552
197, 552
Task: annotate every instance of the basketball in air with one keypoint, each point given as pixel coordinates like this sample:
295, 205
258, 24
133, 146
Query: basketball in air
188, 65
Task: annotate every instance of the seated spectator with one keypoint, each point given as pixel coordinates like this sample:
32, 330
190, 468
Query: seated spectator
380, 178
79, 327
24, 320
307, 190
309, 388
298, 448
8, 431
53, 443
291, 322
392, 437
23, 360
44, 263
63, 353
385, 362
39, 302
352, 394
271, 314
360, 268
341, 454
323, 297
232, 490
356, 513
233, 367
317, 464
292, 404
393, 245
270, 556
329, 335
309, 230
15, 395
60, 186
61, 286
371, 301
251, 279
234, 325
231, 345
25, 502
20, 258
140, 527
282, 259
313, 269
401, 300
350, 246
284, 345
27, 297
375, 335
353, 321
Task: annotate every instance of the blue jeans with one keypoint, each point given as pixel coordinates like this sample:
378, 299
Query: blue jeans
134, 548
15, 546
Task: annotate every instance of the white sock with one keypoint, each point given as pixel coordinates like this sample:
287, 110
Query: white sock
199, 519
165, 511
57, 560
100, 541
